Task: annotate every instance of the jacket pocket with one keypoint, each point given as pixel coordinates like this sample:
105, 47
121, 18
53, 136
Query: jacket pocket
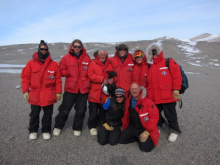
166, 92
33, 95
71, 83
50, 94
35, 77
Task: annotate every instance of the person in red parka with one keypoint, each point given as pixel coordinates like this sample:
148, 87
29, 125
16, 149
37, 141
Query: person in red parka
163, 88
140, 69
74, 66
140, 120
122, 63
98, 74
41, 87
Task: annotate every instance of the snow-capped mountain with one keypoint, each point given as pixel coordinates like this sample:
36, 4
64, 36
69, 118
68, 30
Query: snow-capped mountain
186, 52
206, 37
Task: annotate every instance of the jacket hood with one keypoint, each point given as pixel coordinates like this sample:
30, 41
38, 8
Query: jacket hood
153, 46
159, 50
143, 93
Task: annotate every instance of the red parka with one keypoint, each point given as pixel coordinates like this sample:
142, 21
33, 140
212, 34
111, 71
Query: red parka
123, 70
97, 72
148, 115
75, 70
163, 80
42, 81
139, 73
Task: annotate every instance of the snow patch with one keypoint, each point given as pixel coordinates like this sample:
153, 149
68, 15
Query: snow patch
10, 71
191, 73
11, 66
195, 64
65, 47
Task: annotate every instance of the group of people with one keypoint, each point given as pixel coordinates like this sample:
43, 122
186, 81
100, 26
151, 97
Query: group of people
126, 94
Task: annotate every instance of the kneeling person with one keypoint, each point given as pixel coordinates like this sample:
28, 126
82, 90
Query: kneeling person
140, 120
110, 131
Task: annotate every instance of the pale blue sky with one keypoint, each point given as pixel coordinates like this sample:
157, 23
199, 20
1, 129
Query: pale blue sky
105, 20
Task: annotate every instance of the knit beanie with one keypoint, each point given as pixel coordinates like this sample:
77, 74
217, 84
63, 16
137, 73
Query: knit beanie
119, 91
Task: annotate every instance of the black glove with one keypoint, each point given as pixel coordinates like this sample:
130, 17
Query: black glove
111, 74
111, 89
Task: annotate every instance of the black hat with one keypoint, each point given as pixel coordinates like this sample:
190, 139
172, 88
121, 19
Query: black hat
121, 47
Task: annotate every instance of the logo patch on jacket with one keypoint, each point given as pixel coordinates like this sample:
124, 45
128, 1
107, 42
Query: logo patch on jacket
51, 77
146, 118
85, 67
164, 73
130, 69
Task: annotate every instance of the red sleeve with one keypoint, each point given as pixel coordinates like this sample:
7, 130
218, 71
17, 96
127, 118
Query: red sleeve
58, 80
92, 73
63, 67
153, 115
175, 74
26, 77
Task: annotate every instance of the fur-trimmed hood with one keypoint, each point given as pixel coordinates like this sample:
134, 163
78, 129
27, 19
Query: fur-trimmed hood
153, 46
143, 92
159, 49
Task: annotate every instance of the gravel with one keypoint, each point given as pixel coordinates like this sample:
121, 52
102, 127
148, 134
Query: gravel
199, 142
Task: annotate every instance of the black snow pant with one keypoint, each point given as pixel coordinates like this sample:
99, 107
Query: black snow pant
69, 99
46, 119
131, 134
170, 114
112, 137
93, 114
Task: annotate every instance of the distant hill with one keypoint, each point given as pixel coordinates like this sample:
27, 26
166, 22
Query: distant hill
205, 47
206, 37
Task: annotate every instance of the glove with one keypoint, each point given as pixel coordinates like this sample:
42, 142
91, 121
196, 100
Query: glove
58, 95
143, 137
26, 96
112, 74
107, 127
176, 94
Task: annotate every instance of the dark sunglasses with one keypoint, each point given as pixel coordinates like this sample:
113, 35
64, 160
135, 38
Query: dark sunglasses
43, 49
122, 49
79, 47
119, 96
138, 57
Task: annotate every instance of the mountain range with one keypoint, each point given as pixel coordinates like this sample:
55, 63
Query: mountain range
202, 50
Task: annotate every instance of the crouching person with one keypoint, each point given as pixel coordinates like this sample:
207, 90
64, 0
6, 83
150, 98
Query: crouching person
140, 120
41, 87
110, 131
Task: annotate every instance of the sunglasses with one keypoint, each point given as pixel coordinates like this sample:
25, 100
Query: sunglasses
75, 46
122, 49
119, 96
138, 57
43, 49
